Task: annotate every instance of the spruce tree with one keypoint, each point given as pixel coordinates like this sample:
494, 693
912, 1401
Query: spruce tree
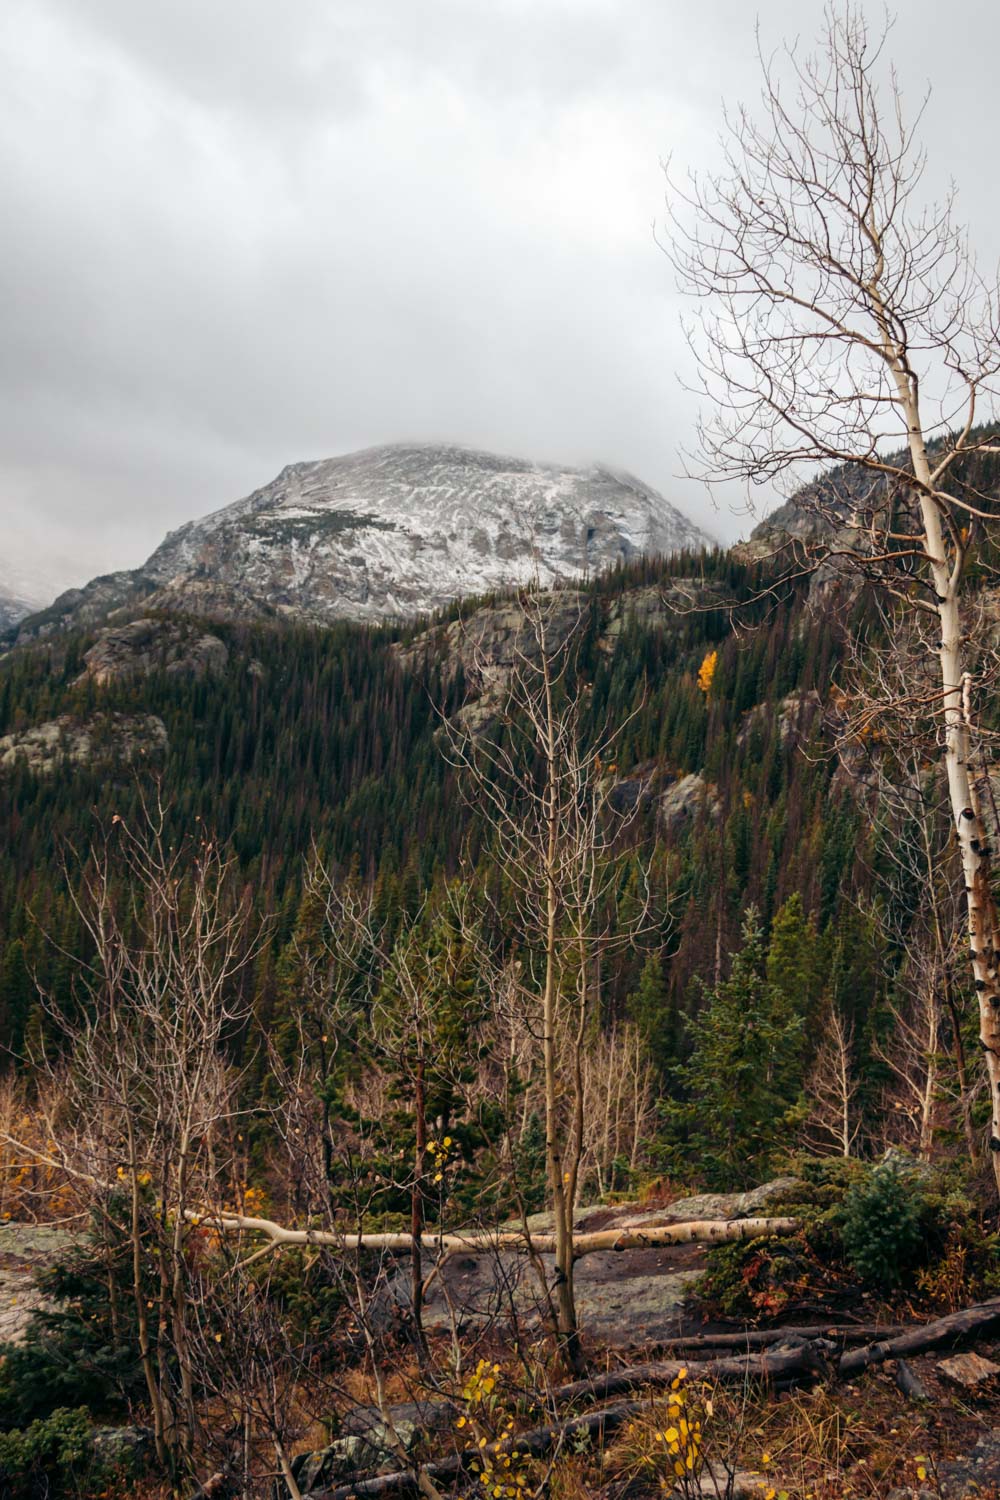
741, 1081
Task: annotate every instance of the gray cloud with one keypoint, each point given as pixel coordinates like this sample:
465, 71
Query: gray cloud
240, 234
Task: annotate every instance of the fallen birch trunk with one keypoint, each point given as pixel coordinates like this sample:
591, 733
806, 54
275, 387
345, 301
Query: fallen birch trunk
696, 1231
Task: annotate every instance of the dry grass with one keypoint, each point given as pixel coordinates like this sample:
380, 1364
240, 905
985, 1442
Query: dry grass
857, 1441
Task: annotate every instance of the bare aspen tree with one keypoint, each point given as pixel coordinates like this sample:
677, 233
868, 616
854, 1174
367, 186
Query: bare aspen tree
145, 1098
253, 1369
382, 993
832, 1123
544, 793
912, 1056
618, 1104
841, 320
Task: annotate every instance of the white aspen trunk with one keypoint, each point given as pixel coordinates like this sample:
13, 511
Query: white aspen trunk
562, 1205
982, 924
844, 1085
930, 1080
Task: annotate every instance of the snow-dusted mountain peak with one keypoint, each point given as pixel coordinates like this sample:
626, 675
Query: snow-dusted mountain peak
404, 529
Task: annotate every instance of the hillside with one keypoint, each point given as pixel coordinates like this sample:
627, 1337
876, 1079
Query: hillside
296, 735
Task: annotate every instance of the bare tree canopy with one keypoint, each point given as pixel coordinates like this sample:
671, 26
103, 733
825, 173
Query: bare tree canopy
841, 319
841, 316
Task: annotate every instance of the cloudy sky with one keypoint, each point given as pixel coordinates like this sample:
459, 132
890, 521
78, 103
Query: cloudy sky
238, 233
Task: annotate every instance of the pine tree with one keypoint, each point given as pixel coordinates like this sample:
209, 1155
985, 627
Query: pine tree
651, 1008
17, 993
743, 1075
793, 958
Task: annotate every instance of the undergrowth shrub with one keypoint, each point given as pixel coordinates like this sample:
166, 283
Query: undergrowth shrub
886, 1225
759, 1279
47, 1459
863, 1227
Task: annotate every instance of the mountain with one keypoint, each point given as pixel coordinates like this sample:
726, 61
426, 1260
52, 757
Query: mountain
16, 603
389, 532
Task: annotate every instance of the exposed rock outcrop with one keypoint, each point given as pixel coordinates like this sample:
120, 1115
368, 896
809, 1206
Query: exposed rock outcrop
656, 606
102, 737
796, 718
686, 800
149, 645
25, 1249
622, 1299
487, 643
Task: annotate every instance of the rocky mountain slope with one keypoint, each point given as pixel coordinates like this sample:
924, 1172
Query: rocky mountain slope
389, 532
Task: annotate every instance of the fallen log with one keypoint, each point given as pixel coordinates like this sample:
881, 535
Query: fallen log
981, 1318
762, 1338
695, 1231
536, 1442
800, 1359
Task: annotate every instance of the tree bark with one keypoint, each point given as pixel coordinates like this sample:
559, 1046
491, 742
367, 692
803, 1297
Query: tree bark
417, 1209
562, 1206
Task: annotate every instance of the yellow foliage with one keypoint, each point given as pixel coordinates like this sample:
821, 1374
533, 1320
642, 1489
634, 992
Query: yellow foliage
32, 1185
503, 1473
674, 1449
706, 672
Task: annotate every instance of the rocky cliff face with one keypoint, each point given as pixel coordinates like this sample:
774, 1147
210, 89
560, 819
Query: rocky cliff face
110, 737
390, 532
149, 645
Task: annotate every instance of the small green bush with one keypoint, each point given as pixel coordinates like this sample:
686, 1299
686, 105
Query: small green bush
74, 1353
46, 1459
885, 1227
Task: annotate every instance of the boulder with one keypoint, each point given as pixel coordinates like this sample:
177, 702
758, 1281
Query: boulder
682, 802
969, 1370
366, 1443
130, 1448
